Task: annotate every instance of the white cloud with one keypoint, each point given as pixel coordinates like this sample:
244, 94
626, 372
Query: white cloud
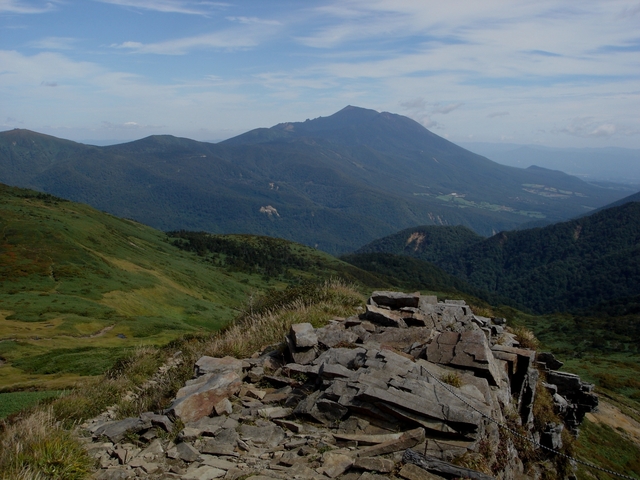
249, 34
182, 46
590, 127
444, 109
170, 6
54, 43
497, 114
17, 6
129, 126
253, 21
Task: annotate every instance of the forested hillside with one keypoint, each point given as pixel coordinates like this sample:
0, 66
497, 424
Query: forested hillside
569, 266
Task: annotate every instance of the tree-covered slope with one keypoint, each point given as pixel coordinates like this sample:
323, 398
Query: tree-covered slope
427, 242
569, 266
411, 273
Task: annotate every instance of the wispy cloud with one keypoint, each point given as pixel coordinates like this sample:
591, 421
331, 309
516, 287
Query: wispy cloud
170, 6
590, 127
18, 6
129, 126
54, 43
497, 114
253, 21
444, 109
249, 34
223, 40
422, 111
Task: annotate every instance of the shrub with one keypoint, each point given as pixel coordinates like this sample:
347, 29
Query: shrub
452, 379
526, 338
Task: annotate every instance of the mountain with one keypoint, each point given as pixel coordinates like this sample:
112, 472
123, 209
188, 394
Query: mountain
589, 262
333, 183
79, 288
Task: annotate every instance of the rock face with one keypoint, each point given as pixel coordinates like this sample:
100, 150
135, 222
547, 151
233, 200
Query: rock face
406, 387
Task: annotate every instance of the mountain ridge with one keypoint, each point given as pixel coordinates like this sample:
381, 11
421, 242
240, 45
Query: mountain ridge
334, 182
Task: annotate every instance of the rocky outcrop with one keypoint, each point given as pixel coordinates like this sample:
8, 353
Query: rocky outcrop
399, 392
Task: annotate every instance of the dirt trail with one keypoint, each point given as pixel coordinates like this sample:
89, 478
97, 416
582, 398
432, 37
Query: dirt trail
101, 332
611, 415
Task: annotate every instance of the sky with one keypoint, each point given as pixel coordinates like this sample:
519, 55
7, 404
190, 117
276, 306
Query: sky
549, 72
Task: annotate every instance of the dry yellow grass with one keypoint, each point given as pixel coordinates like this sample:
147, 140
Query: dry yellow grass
255, 331
36, 447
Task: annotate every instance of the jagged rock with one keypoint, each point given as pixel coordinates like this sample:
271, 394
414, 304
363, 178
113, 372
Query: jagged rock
469, 349
301, 355
400, 338
291, 426
116, 431
186, 452
303, 335
408, 439
198, 400
374, 464
278, 395
212, 447
372, 476
435, 465
333, 335
204, 473
217, 462
274, 412
413, 472
156, 420
549, 361
223, 406
328, 412
115, 474
153, 450
396, 300
551, 437
335, 464
351, 358
266, 435
206, 365
365, 439
384, 317
358, 399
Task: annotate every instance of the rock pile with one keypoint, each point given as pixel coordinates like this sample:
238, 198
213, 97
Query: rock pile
348, 400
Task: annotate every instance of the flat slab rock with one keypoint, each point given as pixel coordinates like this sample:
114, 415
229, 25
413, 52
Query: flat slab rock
396, 300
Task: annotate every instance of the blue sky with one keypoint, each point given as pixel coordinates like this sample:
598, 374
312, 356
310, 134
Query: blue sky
558, 73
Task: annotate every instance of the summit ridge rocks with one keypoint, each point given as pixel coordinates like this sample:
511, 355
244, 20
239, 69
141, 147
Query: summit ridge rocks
354, 399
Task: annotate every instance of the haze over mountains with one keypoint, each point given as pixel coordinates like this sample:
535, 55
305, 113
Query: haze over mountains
613, 164
336, 182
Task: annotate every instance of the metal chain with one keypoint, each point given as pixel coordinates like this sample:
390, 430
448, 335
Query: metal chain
529, 439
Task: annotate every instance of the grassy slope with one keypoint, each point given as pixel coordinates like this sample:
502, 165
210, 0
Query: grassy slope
79, 288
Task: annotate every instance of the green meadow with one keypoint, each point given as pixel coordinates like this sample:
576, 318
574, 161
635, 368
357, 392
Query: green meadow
80, 288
